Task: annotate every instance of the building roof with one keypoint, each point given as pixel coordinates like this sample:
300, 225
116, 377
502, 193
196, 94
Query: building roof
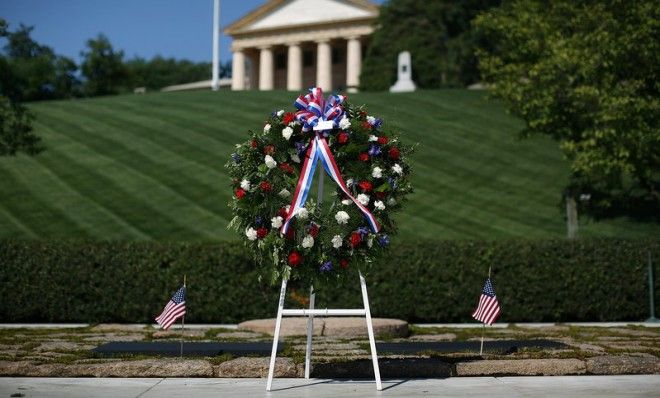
281, 14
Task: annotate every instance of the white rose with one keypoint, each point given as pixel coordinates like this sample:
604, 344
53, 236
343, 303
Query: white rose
270, 162
293, 123
295, 158
308, 241
377, 172
280, 113
349, 182
364, 199
302, 213
284, 193
379, 205
373, 138
336, 241
370, 241
245, 184
342, 217
344, 123
276, 222
251, 233
267, 128
286, 132
397, 169
346, 202
371, 120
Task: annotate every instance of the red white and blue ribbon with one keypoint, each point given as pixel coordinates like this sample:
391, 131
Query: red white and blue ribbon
315, 111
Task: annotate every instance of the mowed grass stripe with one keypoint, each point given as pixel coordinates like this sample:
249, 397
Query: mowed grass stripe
194, 181
124, 191
7, 220
95, 220
33, 209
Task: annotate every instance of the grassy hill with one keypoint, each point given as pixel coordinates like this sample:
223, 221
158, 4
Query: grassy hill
151, 167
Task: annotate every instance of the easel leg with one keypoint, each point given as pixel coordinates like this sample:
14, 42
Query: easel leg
276, 336
370, 329
310, 331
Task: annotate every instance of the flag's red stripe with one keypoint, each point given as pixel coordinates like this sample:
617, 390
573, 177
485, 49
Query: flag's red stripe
174, 312
173, 319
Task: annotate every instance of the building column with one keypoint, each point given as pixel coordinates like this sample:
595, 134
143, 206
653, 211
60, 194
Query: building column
324, 65
238, 70
353, 64
294, 68
266, 68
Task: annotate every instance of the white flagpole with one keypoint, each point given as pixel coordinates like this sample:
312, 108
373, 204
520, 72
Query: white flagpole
183, 318
215, 83
483, 329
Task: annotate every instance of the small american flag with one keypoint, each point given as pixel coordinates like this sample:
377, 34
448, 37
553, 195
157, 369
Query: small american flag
488, 309
174, 309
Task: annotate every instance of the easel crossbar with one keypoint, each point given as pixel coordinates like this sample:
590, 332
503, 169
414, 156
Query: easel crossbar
324, 312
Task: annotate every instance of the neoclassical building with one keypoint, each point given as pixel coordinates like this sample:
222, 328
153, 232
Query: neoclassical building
295, 44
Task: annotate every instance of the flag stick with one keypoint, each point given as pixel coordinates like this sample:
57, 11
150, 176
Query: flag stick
483, 329
183, 318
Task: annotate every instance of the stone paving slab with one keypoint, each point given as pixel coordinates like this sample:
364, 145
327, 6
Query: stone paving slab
328, 326
505, 387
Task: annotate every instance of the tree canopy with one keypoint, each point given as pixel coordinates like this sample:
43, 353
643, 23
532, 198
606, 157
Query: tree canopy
586, 74
437, 34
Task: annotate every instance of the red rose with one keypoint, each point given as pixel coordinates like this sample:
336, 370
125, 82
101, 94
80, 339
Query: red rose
381, 195
356, 238
269, 149
363, 113
288, 118
285, 167
295, 259
314, 230
265, 186
365, 186
383, 140
253, 143
262, 232
342, 138
366, 125
394, 153
282, 212
364, 157
240, 192
343, 263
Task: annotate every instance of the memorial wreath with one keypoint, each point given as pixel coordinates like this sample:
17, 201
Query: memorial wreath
272, 174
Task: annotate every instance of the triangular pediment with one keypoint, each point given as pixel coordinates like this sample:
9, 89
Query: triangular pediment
278, 14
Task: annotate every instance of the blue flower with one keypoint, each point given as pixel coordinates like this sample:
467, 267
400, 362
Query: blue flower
374, 150
384, 240
259, 221
392, 182
363, 231
326, 266
377, 123
300, 147
236, 158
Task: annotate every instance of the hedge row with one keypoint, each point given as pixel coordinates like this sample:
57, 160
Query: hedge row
428, 281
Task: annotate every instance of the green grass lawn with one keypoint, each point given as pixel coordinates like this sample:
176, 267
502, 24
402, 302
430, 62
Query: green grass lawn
151, 167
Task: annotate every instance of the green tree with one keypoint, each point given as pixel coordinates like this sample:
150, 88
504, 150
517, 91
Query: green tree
160, 72
103, 67
15, 120
586, 74
32, 71
437, 34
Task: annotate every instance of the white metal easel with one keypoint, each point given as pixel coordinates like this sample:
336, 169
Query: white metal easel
281, 311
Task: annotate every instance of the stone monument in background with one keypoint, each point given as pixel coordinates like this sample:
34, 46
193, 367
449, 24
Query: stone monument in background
404, 81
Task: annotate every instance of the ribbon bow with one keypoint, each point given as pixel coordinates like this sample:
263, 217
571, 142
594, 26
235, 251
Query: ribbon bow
316, 113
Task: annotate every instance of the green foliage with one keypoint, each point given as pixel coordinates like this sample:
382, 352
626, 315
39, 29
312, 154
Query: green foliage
423, 281
160, 72
16, 129
438, 36
103, 67
586, 74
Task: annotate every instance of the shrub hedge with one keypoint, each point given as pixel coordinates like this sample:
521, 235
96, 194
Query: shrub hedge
426, 281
